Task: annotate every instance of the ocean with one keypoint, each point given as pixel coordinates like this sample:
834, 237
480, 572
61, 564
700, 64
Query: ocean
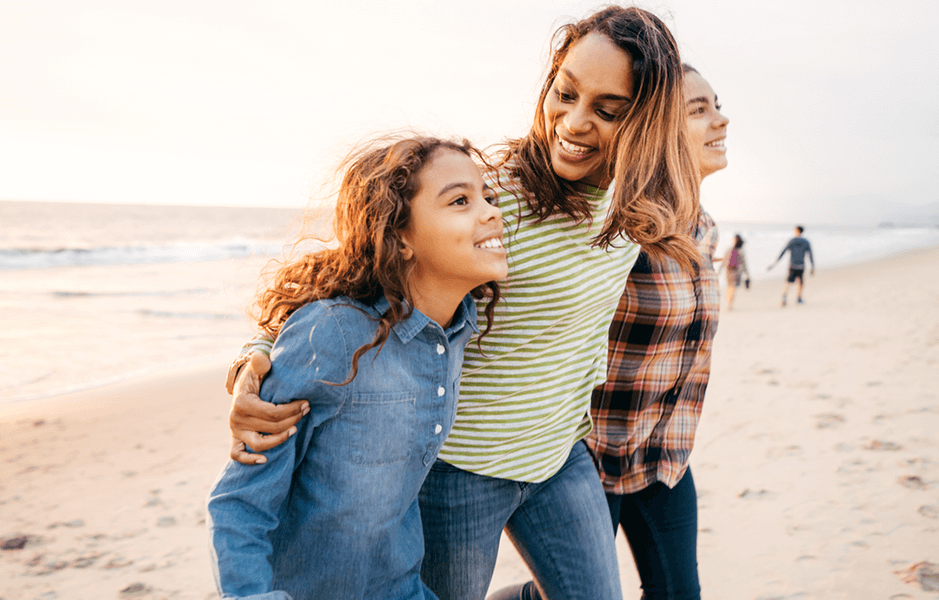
95, 293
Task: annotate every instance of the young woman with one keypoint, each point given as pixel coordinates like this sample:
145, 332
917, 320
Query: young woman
647, 411
373, 332
735, 261
610, 108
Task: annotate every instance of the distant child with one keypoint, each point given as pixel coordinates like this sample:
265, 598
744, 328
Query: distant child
372, 334
798, 247
735, 261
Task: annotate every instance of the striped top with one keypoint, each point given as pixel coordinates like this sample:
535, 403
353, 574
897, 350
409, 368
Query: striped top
524, 399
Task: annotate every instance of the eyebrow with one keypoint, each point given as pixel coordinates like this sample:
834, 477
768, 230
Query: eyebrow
600, 96
460, 184
701, 100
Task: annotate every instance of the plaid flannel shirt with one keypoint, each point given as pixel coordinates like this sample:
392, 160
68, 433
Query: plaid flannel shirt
646, 413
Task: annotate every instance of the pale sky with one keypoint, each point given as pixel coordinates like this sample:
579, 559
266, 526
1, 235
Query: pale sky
833, 104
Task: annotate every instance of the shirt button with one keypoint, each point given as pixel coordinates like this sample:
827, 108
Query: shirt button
440, 349
441, 391
438, 428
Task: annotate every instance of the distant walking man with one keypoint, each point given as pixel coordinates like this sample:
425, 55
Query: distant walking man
798, 247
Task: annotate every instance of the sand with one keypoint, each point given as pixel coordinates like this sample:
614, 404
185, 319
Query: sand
817, 461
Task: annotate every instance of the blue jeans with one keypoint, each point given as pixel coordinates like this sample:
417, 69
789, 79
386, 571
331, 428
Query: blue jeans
661, 526
560, 527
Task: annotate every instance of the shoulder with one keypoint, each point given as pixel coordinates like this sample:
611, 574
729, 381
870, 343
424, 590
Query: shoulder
334, 322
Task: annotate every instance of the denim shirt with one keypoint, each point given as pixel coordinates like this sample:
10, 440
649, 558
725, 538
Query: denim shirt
333, 512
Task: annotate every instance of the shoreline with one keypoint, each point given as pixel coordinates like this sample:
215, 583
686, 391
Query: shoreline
816, 462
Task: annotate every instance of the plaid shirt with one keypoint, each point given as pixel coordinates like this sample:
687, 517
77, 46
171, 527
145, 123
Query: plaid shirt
646, 413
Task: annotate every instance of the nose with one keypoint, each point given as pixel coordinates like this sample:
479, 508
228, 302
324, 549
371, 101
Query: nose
577, 120
721, 121
490, 212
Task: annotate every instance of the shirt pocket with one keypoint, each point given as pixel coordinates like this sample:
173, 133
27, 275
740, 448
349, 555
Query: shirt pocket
382, 427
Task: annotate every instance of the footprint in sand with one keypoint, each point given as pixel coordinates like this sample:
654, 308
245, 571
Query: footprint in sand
135, 590
930, 511
914, 482
882, 446
753, 494
925, 573
17, 542
828, 420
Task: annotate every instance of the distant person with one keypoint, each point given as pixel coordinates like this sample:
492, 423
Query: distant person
736, 263
798, 247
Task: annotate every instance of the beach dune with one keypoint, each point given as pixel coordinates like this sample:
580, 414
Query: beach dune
817, 460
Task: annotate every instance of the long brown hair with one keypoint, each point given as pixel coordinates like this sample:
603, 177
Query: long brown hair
655, 201
372, 207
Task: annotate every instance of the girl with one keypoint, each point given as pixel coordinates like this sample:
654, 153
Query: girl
372, 332
610, 108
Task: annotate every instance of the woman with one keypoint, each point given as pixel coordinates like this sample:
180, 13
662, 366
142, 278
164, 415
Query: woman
736, 263
646, 413
610, 108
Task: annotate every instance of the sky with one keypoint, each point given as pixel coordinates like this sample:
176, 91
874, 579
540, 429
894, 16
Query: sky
832, 104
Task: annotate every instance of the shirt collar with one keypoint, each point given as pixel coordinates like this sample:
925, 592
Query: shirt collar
407, 329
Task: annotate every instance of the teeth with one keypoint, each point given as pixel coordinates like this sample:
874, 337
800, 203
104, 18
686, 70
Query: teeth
715, 144
490, 243
573, 148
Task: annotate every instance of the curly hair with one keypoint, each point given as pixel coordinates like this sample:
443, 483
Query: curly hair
372, 207
655, 197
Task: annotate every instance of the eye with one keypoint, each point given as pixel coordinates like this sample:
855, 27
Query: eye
460, 201
492, 199
564, 95
606, 115
697, 110
718, 107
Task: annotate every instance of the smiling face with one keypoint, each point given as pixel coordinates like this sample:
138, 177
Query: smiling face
707, 127
454, 233
592, 88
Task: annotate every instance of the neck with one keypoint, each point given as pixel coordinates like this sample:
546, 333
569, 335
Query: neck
439, 305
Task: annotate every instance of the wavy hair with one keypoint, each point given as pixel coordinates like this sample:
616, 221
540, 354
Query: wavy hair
655, 196
372, 208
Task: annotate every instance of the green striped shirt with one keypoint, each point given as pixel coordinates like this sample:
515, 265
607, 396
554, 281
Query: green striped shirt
525, 399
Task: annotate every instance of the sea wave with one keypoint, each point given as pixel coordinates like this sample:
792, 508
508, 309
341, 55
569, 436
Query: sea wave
45, 258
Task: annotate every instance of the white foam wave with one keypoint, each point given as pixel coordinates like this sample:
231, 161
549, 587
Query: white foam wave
44, 258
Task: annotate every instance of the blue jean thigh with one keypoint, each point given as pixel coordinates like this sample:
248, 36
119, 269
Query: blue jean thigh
560, 527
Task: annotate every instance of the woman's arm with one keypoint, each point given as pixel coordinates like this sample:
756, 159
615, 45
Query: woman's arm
250, 417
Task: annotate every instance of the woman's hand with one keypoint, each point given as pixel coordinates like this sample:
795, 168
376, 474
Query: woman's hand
250, 417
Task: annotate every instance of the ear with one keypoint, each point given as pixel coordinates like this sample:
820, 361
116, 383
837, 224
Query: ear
407, 253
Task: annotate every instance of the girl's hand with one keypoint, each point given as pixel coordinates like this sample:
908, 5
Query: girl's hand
251, 417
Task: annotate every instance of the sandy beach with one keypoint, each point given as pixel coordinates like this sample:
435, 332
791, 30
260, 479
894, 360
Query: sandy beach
817, 461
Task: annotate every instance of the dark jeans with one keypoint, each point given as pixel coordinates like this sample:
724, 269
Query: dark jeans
661, 526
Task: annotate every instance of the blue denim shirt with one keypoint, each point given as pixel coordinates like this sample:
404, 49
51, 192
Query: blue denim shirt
333, 512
